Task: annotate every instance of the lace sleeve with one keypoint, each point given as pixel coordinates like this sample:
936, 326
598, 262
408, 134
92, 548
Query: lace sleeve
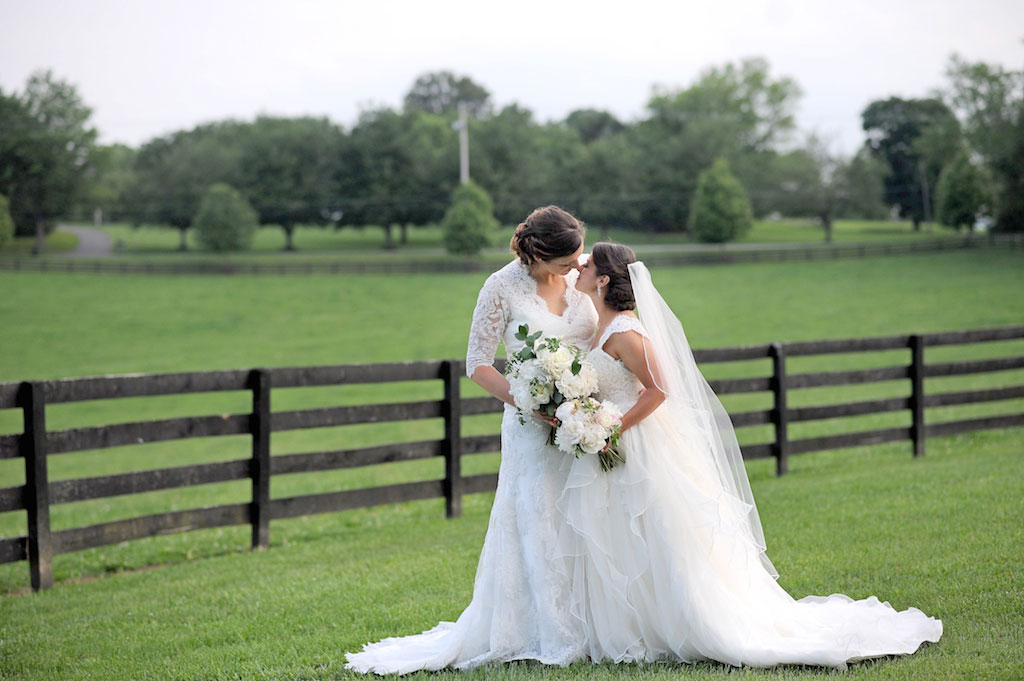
490, 318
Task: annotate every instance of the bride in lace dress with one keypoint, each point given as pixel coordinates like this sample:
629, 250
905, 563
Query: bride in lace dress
520, 605
667, 551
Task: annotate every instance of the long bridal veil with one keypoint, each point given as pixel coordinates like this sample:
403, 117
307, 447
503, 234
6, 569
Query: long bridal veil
691, 403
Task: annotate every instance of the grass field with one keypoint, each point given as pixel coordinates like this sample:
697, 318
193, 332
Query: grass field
940, 533
161, 243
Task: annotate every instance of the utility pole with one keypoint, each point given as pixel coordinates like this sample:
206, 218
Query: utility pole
463, 128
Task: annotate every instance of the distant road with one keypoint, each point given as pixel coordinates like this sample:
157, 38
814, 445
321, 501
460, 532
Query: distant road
92, 242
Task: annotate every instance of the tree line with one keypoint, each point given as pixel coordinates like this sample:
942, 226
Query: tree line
956, 157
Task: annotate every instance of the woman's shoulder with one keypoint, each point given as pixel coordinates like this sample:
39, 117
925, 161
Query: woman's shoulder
625, 322
506, 275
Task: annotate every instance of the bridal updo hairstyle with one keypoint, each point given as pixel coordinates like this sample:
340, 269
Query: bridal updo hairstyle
547, 233
612, 260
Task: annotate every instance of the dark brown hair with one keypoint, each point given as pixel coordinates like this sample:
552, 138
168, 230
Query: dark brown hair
547, 233
612, 260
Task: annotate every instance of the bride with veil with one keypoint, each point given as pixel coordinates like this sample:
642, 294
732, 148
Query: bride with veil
668, 555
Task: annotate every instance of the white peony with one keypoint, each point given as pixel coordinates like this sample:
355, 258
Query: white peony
594, 438
609, 415
523, 396
572, 386
566, 410
569, 434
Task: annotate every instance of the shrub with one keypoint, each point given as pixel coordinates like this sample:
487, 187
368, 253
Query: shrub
721, 208
225, 221
468, 220
6, 223
961, 193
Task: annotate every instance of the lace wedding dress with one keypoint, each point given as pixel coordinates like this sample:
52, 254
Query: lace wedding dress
521, 595
665, 565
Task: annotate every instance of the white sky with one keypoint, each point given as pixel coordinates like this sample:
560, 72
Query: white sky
149, 68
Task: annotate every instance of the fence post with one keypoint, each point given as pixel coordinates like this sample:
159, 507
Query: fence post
917, 430
37, 486
780, 446
259, 469
452, 370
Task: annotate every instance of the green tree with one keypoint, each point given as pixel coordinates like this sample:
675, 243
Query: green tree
45, 141
441, 92
729, 112
593, 124
289, 170
721, 209
107, 180
962, 193
469, 221
864, 177
990, 101
225, 221
6, 223
912, 136
173, 173
399, 169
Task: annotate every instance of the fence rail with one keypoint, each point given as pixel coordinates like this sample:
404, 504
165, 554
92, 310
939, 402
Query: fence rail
36, 443
708, 256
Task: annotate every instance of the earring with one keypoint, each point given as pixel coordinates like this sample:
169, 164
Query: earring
598, 290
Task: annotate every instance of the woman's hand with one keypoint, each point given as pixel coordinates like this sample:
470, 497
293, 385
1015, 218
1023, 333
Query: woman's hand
546, 418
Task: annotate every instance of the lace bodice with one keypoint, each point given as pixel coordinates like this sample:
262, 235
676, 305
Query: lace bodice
614, 381
509, 298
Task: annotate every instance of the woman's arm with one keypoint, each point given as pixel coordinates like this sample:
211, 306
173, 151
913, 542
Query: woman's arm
628, 346
491, 380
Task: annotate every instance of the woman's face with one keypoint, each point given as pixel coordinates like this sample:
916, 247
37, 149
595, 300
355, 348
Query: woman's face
587, 281
561, 266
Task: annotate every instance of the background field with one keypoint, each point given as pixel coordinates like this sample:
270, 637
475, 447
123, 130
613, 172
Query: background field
938, 532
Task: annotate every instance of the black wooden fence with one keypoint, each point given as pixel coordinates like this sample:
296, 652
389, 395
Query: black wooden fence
35, 444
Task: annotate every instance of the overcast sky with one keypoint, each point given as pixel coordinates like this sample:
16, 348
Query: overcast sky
149, 68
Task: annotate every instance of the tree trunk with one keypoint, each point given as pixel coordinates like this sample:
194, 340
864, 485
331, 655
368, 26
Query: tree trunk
37, 249
404, 238
389, 242
917, 223
289, 245
183, 245
826, 222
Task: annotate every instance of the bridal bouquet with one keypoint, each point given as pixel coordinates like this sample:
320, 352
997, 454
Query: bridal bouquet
546, 372
587, 426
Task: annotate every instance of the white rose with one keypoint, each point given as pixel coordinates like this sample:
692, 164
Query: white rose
542, 392
556, 362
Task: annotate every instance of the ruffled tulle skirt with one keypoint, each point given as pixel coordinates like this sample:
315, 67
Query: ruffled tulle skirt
663, 569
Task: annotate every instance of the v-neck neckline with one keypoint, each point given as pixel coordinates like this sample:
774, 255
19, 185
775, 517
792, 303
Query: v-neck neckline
536, 292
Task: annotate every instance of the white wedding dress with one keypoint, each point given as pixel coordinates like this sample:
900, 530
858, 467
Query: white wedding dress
665, 568
662, 558
521, 596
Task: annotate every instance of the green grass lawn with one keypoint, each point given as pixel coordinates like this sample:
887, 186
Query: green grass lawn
942, 533
936, 533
